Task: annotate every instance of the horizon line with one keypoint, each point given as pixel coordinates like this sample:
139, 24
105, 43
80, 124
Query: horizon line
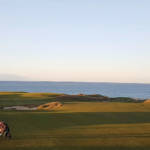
75, 81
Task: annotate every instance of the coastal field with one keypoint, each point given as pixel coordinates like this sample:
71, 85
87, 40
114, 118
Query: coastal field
80, 124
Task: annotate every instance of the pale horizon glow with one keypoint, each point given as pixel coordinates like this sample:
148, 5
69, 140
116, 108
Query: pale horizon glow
78, 40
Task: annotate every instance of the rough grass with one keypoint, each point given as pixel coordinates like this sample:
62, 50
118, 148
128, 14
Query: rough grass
78, 126
23, 98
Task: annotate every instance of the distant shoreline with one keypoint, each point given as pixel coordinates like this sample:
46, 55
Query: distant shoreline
81, 96
76, 82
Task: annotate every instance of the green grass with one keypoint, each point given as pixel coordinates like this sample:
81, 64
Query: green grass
23, 98
77, 130
77, 126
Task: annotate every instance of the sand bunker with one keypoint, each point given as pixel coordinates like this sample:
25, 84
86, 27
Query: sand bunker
47, 106
19, 108
147, 101
50, 106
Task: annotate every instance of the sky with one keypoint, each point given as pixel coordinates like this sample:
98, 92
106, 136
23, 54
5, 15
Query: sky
75, 40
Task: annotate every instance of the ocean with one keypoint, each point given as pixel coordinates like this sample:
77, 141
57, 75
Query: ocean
134, 90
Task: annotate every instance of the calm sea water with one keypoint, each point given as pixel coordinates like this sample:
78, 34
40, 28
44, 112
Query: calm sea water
107, 89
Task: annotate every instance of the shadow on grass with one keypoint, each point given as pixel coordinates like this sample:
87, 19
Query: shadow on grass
46, 120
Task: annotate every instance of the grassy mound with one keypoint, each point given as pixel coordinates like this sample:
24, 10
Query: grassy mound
36, 99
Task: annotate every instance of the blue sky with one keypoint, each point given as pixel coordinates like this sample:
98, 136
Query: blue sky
75, 40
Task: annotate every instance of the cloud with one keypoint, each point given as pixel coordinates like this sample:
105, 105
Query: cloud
13, 77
